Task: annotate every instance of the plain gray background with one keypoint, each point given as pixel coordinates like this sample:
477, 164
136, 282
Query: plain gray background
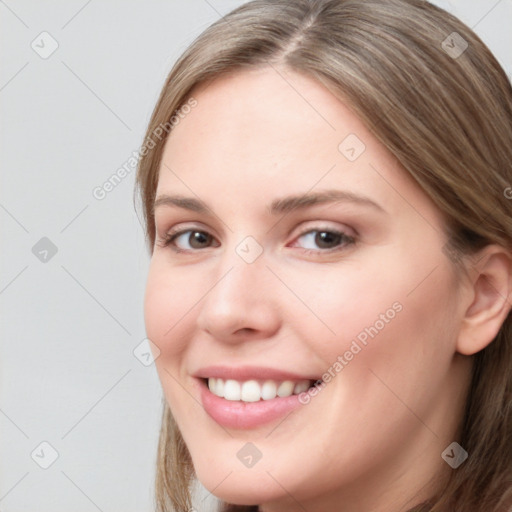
72, 320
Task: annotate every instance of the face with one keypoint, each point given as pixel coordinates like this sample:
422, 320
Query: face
298, 272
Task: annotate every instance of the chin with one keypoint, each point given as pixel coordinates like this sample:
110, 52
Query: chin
241, 487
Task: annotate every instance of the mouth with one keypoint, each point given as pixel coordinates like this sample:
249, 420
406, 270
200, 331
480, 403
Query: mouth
247, 397
251, 403
255, 390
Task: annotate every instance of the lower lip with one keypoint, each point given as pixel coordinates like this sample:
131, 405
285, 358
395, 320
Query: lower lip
246, 415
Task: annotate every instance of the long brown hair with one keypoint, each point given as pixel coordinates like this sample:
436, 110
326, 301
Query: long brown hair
442, 105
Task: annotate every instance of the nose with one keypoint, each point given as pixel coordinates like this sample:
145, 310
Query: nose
241, 303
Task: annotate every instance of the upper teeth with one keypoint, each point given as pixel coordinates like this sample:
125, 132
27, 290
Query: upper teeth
252, 390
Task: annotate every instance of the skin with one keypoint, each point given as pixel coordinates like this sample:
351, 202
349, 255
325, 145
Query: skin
372, 438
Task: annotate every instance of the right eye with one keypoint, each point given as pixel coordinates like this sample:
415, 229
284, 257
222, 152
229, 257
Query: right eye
187, 240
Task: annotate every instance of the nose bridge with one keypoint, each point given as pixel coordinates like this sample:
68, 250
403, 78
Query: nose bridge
238, 297
241, 270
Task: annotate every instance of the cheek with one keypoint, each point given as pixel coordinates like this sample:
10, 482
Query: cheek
338, 306
378, 313
166, 304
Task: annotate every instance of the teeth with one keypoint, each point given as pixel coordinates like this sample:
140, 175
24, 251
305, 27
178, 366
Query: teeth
232, 390
285, 388
254, 391
269, 390
300, 387
251, 391
219, 388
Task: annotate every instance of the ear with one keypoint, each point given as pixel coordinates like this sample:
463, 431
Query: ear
489, 294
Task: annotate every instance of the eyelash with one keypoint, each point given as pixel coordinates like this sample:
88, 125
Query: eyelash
346, 240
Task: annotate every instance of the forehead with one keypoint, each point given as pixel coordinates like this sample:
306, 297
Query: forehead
258, 131
266, 112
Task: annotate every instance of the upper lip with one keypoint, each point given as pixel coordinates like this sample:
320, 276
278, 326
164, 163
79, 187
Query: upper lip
244, 373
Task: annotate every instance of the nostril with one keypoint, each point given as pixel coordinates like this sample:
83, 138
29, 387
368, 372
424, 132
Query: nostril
246, 330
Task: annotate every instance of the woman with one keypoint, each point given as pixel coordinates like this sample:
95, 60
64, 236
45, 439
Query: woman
324, 185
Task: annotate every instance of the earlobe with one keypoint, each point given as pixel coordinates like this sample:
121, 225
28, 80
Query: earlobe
492, 299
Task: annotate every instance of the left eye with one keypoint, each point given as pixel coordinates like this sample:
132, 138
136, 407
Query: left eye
324, 239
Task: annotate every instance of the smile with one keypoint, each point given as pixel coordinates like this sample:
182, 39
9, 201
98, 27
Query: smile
254, 390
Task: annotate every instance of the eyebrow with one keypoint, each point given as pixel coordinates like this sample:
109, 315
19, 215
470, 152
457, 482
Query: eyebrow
278, 206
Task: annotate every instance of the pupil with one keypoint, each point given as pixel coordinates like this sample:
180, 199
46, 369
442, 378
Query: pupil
326, 239
198, 238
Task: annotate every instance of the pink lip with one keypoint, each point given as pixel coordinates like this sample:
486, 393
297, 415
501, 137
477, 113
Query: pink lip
245, 415
243, 373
